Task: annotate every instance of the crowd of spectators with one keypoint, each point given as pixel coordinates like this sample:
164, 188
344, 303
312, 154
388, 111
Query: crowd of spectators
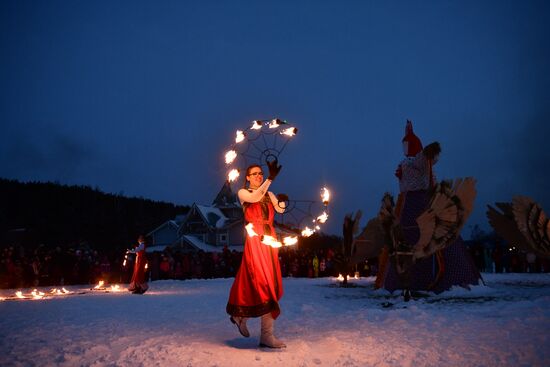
499, 258
43, 266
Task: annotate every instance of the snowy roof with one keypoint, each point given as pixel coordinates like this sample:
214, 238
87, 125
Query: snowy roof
212, 215
171, 223
194, 241
226, 198
158, 248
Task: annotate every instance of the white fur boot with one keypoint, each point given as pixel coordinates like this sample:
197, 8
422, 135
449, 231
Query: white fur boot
267, 339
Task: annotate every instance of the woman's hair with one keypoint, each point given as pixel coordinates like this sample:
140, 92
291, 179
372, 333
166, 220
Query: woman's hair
248, 172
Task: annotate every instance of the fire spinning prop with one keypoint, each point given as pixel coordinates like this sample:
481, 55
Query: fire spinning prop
35, 294
263, 141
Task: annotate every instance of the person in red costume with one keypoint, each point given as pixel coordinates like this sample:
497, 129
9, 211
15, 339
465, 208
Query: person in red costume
138, 285
258, 286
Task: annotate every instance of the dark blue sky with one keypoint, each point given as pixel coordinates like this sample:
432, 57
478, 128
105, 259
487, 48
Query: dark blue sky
144, 97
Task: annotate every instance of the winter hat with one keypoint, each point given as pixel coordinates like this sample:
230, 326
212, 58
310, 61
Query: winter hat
414, 145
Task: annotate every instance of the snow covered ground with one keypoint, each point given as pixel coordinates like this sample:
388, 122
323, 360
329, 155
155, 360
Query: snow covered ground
183, 323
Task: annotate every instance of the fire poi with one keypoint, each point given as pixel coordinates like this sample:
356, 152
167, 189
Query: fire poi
262, 142
258, 286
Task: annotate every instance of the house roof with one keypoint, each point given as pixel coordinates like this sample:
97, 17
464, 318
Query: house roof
195, 242
212, 216
226, 197
170, 223
158, 248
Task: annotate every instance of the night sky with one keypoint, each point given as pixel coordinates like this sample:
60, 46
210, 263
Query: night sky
143, 98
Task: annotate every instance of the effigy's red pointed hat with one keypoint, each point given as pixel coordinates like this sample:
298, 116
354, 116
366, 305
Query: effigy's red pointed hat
414, 145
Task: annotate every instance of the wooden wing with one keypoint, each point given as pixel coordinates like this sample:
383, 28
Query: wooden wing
533, 224
447, 213
505, 226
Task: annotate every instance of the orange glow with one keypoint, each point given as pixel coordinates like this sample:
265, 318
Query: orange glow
271, 241
250, 230
291, 131
275, 123
239, 136
325, 195
289, 240
306, 232
233, 175
322, 218
230, 156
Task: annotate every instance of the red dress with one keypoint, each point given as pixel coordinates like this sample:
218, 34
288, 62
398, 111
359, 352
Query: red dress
138, 277
258, 285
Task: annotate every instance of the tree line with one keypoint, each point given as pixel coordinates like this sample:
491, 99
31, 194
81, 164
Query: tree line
33, 213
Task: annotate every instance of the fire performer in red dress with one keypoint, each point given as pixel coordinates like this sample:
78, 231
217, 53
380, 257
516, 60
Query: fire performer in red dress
138, 285
258, 286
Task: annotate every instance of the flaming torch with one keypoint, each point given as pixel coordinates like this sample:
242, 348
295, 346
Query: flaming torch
239, 136
116, 288
290, 240
322, 218
291, 131
271, 241
230, 156
233, 175
306, 232
275, 123
325, 196
250, 230
37, 294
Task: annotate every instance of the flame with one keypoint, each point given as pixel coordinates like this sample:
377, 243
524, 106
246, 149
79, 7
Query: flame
289, 240
124, 262
275, 123
99, 285
230, 156
307, 232
146, 266
233, 174
250, 230
322, 218
116, 288
58, 292
341, 277
19, 294
271, 241
37, 295
291, 131
256, 125
325, 195
239, 136
2, 298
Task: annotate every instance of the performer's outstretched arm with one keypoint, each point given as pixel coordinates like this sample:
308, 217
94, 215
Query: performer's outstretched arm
246, 196
140, 247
